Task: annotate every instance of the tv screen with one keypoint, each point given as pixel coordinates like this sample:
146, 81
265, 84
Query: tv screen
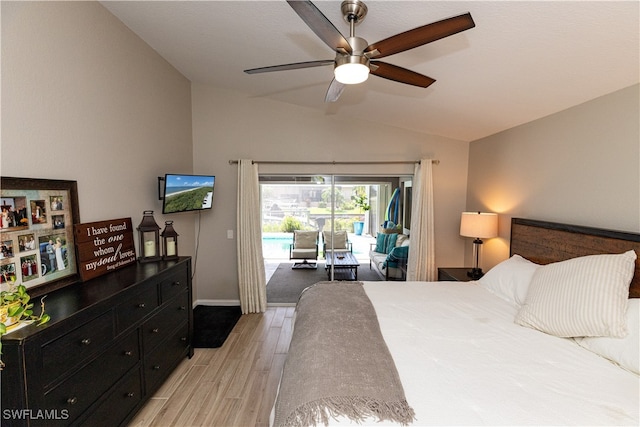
183, 193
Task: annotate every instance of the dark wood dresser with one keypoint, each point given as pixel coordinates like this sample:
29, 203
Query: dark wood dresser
108, 347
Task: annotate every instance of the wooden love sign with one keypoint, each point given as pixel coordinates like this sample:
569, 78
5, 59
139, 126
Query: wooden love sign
104, 246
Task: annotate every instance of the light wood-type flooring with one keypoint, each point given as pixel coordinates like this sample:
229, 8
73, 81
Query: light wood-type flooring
234, 385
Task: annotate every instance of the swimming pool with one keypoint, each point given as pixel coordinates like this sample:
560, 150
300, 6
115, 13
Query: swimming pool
276, 245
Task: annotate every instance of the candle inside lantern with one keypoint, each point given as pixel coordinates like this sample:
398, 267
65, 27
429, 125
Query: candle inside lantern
149, 248
171, 247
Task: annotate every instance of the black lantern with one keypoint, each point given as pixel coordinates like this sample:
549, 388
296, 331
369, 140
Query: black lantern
170, 240
149, 234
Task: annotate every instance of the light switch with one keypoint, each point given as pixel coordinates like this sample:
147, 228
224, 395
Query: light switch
229, 234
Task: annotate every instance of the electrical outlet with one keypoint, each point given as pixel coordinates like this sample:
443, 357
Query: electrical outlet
229, 234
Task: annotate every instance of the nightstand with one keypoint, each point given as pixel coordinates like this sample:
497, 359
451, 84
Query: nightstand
453, 274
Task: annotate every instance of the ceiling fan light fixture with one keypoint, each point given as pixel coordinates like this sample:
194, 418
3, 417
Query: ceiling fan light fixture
351, 69
351, 74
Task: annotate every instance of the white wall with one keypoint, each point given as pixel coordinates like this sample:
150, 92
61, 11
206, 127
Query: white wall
83, 98
228, 125
579, 166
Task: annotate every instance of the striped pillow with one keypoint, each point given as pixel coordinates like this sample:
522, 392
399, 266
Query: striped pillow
580, 297
385, 242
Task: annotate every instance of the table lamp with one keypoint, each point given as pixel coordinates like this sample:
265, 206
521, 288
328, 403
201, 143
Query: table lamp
479, 225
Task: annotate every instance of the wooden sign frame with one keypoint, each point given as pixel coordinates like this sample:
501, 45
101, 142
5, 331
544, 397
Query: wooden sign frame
104, 246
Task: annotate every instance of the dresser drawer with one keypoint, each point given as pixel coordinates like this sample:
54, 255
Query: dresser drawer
174, 284
156, 329
79, 391
118, 403
70, 349
138, 305
160, 362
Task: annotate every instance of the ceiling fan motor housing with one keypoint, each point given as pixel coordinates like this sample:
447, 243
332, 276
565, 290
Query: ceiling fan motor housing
358, 45
351, 59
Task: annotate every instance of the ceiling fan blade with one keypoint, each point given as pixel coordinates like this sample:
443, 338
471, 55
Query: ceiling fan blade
320, 25
421, 35
334, 91
294, 66
399, 74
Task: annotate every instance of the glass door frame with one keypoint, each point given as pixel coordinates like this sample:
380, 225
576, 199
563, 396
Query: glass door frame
384, 186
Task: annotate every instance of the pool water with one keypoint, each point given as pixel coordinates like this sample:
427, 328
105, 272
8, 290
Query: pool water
276, 245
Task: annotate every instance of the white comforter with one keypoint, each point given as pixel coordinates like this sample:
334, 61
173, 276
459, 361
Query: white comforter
463, 361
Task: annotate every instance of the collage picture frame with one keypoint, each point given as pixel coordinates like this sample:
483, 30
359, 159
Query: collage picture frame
36, 233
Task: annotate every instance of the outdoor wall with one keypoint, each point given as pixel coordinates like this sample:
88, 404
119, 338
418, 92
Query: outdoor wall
83, 98
229, 126
579, 166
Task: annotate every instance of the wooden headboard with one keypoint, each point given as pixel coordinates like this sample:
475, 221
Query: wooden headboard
545, 242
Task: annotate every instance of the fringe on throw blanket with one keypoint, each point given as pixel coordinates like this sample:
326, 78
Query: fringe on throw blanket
356, 408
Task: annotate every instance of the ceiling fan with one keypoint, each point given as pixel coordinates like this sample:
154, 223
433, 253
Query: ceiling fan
355, 58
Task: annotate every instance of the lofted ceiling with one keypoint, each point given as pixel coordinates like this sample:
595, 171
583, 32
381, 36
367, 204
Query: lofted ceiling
524, 59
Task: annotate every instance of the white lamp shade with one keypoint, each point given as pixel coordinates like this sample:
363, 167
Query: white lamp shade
351, 73
479, 225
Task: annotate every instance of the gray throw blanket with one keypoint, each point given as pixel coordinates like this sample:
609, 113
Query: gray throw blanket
338, 363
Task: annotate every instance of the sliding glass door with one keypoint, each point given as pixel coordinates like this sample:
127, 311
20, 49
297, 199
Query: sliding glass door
356, 204
343, 206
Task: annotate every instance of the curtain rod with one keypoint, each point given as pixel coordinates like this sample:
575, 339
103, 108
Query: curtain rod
388, 162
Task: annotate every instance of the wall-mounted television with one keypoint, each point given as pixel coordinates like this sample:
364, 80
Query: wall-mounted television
184, 193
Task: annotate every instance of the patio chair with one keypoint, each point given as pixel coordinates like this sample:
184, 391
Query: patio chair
304, 247
341, 242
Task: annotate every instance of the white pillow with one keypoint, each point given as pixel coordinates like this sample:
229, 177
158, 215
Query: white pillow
339, 243
580, 297
622, 351
305, 239
510, 279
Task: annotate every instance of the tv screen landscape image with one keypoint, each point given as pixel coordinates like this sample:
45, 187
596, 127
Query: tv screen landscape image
183, 193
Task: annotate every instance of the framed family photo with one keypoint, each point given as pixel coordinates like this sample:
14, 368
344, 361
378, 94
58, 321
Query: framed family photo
36, 228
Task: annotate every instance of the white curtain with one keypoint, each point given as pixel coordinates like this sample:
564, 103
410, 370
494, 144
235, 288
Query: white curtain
422, 265
251, 277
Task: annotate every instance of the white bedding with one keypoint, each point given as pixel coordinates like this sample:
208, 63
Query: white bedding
463, 361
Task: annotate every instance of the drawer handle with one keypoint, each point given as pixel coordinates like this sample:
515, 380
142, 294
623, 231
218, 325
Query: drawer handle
72, 400
155, 330
131, 394
141, 305
176, 283
182, 308
183, 339
128, 353
86, 341
156, 367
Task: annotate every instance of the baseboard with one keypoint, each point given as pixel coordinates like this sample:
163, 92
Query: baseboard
281, 304
221, 302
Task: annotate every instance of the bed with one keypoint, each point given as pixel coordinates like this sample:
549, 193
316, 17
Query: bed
547, 337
